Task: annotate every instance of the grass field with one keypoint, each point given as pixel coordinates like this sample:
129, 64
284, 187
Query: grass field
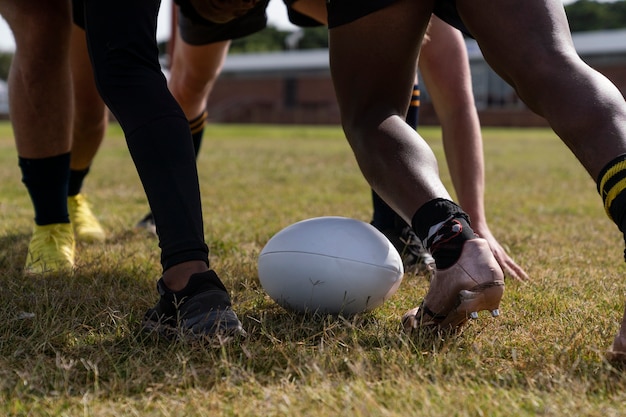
71, 346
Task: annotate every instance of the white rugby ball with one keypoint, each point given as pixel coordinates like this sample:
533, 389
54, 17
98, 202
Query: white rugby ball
330, 265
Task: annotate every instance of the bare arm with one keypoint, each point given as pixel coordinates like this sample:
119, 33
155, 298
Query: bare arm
445, 69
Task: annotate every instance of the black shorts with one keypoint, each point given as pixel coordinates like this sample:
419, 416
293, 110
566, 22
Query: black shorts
78, 13
298, 18
195, 30
198, 31
341, 12
446, 11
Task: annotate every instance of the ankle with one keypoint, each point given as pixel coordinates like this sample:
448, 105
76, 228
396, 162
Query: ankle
443, 227
447, 243
177, 277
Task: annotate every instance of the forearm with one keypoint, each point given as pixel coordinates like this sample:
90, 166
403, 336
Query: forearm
445, 69
462, 143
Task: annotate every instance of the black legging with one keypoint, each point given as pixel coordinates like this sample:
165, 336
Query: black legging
121, 37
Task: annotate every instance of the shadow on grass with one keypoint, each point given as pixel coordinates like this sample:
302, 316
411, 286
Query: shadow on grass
104, 291
81, 334
13, 252
366, 330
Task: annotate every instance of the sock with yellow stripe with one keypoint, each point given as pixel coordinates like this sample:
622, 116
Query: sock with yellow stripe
197, 130
612, 188
412, 115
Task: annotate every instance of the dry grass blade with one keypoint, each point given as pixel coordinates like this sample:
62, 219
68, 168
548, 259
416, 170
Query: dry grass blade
71, 346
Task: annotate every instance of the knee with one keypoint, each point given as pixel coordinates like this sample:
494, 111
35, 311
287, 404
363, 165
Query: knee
371, 129
45, 32
360, 133
548, 81
191, 91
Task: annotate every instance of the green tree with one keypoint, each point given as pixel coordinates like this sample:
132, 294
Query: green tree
267, 40
314, 38
5, 64
273, 39
588, 15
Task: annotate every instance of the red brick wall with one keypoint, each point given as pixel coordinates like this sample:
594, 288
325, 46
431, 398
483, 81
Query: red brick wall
262, 99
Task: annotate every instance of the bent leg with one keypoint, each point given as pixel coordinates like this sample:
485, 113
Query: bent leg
548, 74
41, 115
395, 160
193, 74
125, 60
373, 62
90, 113
594, 128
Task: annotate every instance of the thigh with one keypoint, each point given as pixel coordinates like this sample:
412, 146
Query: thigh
517, 35
194, 72
124, 56
373, 60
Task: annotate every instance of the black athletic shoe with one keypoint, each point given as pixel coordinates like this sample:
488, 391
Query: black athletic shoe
147, 223
201, 309
415, 258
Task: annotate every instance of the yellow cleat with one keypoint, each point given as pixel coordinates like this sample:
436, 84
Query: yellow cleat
86, 227
51, 250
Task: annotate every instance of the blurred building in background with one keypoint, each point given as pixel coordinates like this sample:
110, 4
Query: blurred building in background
4, 100
295, 87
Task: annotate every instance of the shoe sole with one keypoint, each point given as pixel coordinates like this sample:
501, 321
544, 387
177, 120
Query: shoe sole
470, 303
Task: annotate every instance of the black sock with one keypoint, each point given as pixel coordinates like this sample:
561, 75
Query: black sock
76, 181
412, 115
197, 131
383, 216
612, 187
443, 227
46, 180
